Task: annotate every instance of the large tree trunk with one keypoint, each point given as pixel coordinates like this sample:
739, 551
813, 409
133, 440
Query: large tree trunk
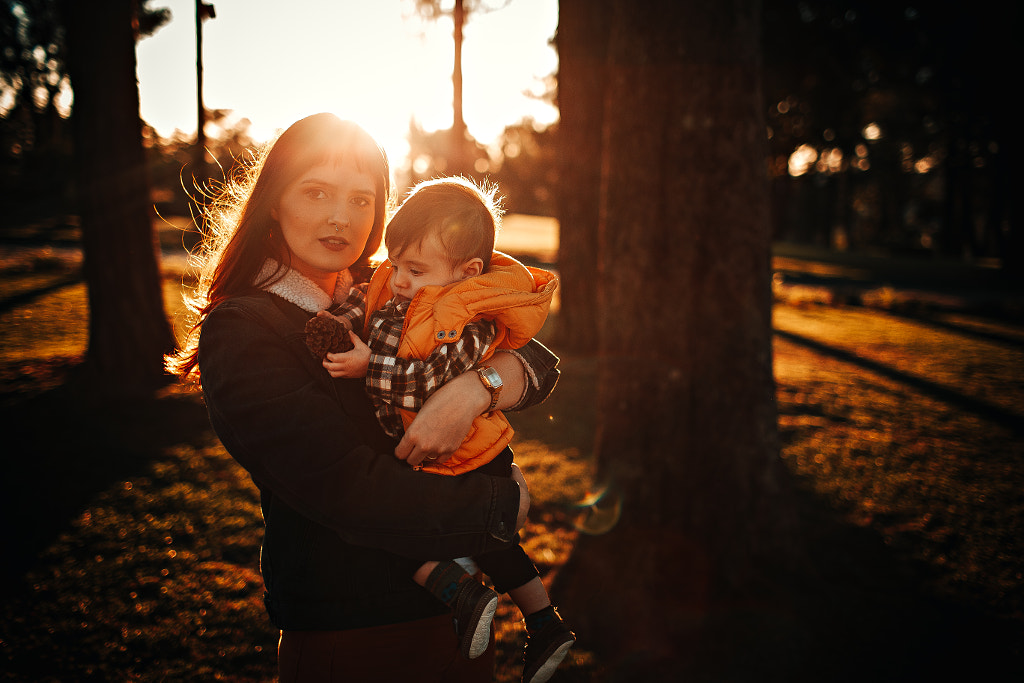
687, 439
128, 329
582, 38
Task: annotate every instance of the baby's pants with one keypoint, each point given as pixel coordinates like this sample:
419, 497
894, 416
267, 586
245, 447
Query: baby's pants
509, 567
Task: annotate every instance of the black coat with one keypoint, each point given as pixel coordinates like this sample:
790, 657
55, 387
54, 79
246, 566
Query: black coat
347, 523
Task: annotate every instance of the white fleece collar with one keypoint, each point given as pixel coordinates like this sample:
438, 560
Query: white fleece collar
296, 288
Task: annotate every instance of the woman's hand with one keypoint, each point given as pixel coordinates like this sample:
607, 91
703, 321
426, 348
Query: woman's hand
524, 496
443, 422
352, 363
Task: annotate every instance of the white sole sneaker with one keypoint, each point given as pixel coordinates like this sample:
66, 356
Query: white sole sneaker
481, 637
545, 671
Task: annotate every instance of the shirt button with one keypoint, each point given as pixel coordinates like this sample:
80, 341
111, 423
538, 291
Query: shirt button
440, 335
451, 335
501, 528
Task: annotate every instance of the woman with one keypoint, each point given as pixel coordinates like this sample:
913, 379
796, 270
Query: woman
347, 519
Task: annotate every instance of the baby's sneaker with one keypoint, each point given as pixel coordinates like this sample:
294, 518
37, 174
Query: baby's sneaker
473, 612
545, 650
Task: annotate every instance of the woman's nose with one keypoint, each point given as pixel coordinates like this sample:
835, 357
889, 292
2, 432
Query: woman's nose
339, 216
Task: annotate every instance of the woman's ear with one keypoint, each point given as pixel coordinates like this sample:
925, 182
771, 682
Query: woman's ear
471, 268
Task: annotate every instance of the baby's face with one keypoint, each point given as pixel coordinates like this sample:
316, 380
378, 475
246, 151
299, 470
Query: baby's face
421, 265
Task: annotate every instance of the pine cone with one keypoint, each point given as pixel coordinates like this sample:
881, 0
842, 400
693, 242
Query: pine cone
325, 335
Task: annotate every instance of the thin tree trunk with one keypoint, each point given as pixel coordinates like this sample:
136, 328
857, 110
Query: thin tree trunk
459, 148
687, 439
128, 329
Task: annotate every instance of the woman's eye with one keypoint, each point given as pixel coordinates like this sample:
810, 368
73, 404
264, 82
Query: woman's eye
361, 202
316, 194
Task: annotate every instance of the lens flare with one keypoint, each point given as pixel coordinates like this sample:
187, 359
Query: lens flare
599, 512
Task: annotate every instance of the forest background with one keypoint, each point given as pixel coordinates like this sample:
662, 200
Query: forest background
888, 157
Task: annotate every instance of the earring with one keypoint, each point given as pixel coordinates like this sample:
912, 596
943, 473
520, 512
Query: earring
335, 227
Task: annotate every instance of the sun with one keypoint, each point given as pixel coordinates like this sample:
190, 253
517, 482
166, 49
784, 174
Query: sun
367, 61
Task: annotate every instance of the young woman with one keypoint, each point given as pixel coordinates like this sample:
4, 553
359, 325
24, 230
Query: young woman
348, 520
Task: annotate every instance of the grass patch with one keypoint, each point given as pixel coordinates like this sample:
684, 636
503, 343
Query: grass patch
916, 433
136, 537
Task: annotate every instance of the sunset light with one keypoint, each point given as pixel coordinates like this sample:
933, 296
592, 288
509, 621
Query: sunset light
705, 321
377, 63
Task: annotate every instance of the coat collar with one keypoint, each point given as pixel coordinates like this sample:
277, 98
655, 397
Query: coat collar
296, 288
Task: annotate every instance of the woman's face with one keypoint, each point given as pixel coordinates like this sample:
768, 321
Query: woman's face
325, 216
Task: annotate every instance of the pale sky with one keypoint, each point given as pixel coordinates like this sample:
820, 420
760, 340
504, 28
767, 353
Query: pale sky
274, 62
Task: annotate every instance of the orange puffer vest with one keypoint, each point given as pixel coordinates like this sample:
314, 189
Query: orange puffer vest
516, 297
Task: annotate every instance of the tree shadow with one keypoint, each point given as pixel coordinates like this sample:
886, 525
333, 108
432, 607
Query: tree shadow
25, 298
64, 445
932, 320
984, 409
851, 609
861, 611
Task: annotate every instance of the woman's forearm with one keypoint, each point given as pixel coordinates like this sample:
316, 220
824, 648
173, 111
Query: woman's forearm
445, 419
513, 379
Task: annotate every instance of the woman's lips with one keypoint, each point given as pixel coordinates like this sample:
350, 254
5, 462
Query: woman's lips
334, 243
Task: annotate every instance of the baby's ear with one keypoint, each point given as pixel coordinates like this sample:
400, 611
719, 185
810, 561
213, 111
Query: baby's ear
471, 268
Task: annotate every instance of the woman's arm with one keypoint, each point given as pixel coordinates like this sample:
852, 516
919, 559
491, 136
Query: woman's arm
542, 373
445, 419
279, 421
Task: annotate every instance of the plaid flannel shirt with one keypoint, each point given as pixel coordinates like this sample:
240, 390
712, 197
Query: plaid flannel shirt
352, 310
394, 383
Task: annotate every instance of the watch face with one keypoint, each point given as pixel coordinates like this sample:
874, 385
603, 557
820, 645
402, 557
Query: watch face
491, 377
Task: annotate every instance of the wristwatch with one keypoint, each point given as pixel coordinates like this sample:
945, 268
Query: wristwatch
492, 382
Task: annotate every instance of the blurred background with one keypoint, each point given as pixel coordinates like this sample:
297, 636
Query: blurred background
887, 127
845, 205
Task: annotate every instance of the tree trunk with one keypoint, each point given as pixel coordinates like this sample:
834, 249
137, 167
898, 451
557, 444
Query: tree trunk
687, 440
460, 159
583, 29
128, 329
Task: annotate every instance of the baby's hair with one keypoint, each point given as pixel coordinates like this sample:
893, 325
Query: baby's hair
463, 215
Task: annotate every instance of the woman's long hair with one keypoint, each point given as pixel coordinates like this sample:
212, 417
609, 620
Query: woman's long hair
239, 234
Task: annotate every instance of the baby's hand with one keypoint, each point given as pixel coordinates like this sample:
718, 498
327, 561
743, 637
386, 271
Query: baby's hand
349, 363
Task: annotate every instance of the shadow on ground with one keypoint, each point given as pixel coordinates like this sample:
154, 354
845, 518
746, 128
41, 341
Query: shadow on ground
63, 446
863, 613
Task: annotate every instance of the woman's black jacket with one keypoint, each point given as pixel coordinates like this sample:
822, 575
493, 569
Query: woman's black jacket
347, 523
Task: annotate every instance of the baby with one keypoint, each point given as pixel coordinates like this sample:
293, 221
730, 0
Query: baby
441, 305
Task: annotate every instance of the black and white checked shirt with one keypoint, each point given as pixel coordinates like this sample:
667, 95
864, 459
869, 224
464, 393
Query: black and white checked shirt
395, 383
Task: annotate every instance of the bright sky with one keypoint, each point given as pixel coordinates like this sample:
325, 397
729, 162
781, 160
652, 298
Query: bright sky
372, 61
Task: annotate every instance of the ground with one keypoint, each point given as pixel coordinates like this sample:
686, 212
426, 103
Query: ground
132, 539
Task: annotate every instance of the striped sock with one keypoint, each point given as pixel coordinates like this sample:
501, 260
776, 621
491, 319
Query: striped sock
444, 581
